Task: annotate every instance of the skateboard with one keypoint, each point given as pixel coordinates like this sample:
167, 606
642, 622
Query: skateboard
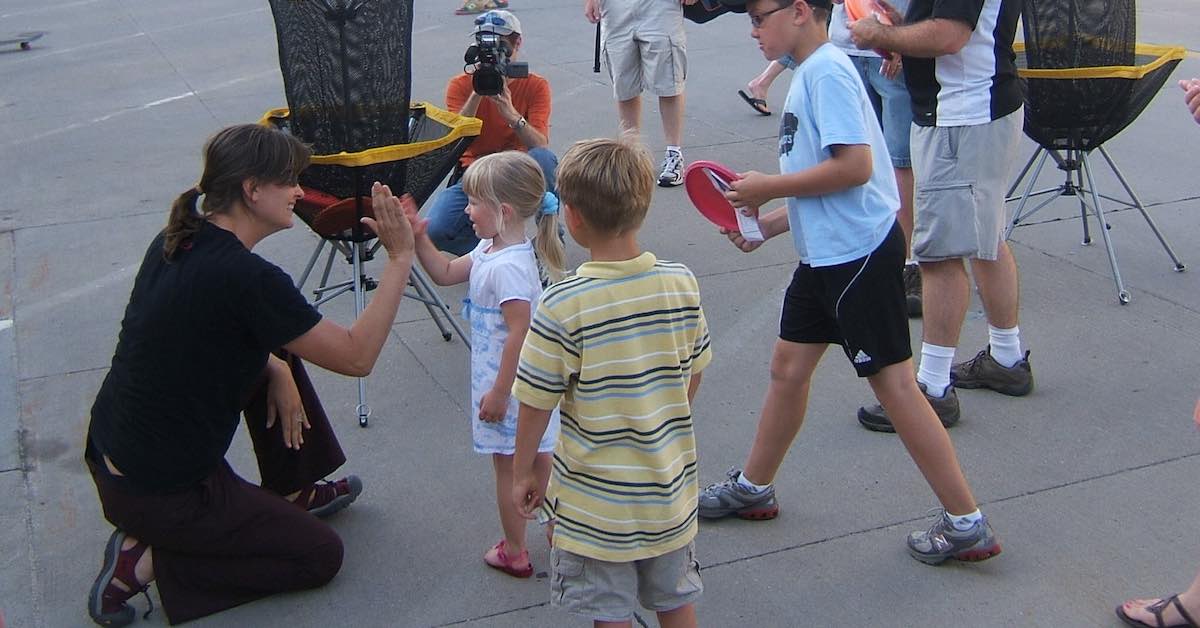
22, 39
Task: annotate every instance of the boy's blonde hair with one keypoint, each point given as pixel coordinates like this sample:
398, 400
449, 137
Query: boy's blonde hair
608, 181
514, 178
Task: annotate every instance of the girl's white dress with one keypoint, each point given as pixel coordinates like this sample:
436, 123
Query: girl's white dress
504, 275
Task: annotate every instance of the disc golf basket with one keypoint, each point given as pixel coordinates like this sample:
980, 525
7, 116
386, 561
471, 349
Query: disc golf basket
346, 69
1085, 79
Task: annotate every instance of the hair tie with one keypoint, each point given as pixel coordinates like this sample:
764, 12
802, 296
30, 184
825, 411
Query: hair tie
549, 204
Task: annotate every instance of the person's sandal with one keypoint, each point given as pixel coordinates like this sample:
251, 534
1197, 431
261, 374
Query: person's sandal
324, 498
1157, 609
106, 602
498, 558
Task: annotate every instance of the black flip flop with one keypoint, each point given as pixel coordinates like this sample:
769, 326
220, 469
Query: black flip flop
758, 104
1157, 609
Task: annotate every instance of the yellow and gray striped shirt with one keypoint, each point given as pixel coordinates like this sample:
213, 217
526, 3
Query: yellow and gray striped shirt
617, 344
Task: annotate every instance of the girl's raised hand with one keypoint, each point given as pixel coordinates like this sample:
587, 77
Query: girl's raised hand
390, 222
411, 210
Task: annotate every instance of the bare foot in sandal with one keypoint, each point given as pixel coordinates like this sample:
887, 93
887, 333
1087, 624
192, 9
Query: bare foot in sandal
1175, 610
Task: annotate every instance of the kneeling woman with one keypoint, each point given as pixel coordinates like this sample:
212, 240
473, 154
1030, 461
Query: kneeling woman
204, 319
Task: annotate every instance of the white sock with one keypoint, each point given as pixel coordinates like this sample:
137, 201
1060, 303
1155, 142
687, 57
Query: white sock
751, 485
935, 368
674, 148
910, 262
1006, 345
964, 522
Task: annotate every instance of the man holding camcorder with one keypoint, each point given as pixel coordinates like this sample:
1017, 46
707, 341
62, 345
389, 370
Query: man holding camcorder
514, 106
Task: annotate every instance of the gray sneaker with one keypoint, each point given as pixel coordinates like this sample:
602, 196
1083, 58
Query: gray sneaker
912, 290
730, 498
672, 170
983, 371
946, 407
943, 541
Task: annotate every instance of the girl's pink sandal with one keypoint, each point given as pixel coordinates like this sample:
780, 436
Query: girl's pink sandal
498, 558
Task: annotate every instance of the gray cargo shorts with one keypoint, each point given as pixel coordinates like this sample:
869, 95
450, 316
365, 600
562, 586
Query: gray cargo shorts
961, 177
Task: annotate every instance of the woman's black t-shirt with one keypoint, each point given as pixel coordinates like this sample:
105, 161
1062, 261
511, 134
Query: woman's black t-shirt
195, 339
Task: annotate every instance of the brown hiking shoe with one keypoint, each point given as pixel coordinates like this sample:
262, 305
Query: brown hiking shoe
983, 371
912, 290
875, 418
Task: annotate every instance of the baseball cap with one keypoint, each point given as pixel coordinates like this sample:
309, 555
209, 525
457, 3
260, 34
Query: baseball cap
499, 22
739, 6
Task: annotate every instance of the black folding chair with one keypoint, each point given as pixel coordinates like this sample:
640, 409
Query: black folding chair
346, 72
1086, 79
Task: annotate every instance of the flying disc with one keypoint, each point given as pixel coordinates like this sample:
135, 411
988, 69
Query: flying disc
706, 183
858, 9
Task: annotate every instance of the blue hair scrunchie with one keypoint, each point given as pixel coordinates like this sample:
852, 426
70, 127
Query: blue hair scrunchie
549, 204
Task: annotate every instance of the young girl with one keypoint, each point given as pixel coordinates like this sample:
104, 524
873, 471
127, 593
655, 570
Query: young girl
504, 191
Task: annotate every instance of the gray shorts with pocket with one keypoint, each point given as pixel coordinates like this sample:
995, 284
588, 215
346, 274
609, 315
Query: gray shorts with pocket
606, 591
961, 177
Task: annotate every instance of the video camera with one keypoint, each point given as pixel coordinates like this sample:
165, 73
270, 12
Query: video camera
488, 64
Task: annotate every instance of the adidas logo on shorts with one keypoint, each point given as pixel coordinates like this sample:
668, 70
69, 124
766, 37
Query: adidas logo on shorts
861, 357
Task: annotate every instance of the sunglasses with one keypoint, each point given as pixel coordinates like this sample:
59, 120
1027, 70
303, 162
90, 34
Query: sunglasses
488, 18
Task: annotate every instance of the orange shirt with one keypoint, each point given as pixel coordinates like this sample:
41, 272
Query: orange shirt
530, 97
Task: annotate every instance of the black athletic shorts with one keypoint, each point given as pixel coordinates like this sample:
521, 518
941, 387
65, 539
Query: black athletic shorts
859, 305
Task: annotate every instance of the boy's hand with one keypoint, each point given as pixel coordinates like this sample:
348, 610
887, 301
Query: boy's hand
891, 66
493, 407
751, 189
526, 495
736, 238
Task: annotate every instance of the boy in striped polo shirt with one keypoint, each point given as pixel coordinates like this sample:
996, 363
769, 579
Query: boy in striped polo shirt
619, 348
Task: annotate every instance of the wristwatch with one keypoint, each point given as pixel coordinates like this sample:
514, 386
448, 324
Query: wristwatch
519, 124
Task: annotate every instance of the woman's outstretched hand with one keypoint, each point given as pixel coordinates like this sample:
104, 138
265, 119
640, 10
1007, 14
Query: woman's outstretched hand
390, 223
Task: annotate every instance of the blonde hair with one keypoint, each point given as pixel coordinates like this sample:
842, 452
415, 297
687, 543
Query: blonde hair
512, 177
608, 181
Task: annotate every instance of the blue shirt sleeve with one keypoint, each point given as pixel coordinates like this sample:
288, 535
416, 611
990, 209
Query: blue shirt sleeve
836, 109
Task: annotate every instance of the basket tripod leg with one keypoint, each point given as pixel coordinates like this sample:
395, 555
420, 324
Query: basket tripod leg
431, 301
1122, 293
1141, 208
418, 276
1021, 214
356, 250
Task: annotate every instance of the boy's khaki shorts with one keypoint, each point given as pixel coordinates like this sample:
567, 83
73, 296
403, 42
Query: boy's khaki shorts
961, 178
607, 591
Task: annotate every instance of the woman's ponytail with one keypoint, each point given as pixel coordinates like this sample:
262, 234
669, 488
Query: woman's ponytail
183, 222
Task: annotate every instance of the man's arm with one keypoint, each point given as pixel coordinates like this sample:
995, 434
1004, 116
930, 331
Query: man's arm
930, 38
533, 133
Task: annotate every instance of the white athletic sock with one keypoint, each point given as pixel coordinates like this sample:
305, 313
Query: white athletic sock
964, 522
934, 371
674, 148
1006, 345
751, 485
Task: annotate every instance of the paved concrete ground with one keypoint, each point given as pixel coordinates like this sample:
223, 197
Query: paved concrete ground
101, 124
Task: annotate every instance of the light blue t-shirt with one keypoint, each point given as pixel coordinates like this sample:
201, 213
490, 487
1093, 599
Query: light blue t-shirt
827, 105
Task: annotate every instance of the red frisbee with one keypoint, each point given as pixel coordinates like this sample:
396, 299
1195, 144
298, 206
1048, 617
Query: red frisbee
858, 9
706, 183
